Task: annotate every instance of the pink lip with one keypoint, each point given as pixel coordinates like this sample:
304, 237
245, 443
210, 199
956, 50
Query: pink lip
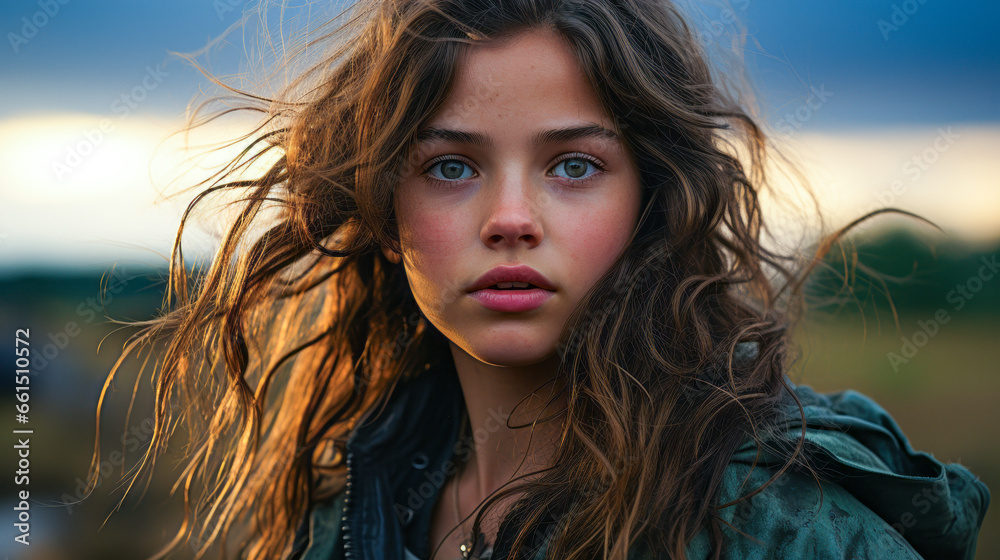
511, 301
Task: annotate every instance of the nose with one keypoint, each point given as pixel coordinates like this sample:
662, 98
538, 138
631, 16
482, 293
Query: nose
513, 215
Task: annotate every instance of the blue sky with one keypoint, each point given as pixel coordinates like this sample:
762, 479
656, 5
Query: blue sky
941, 65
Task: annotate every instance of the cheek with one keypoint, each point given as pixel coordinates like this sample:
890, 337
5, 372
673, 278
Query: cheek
431, 243
428, 237
596, 236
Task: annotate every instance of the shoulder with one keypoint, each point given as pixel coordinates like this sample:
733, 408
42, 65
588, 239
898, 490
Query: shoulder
872, 496
796, 516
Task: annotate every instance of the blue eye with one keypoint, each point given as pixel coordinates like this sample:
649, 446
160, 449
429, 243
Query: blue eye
451, 170
576, 168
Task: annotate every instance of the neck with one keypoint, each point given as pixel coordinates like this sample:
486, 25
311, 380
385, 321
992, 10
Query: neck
496, 397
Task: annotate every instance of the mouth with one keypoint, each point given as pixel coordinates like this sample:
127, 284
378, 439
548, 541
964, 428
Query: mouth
512, 289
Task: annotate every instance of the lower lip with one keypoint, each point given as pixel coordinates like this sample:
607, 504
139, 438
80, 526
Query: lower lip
511, 301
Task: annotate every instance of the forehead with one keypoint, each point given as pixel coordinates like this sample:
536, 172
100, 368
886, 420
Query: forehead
517, 84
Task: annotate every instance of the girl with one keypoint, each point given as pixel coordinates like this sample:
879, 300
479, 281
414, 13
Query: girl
504, 295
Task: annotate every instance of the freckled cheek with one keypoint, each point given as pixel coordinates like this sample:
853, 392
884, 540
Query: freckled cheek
594, 239
432, 241
433, 249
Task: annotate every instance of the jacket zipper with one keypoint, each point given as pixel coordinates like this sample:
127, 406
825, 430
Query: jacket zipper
345, 528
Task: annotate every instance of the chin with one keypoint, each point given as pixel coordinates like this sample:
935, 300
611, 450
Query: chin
509, 351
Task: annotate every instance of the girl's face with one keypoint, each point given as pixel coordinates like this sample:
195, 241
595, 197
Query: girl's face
520, 167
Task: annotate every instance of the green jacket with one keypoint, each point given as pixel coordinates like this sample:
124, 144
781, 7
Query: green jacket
880, 498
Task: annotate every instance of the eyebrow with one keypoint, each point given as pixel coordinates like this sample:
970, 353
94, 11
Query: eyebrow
591, 130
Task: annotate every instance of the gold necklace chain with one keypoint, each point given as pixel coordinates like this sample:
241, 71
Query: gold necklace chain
467, 542
470, 547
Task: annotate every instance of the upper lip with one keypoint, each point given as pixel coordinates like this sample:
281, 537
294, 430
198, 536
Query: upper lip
519, 273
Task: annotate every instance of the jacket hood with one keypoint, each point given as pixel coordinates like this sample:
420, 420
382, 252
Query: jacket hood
937, 508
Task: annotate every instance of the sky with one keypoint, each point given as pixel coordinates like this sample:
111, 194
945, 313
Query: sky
885, 101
